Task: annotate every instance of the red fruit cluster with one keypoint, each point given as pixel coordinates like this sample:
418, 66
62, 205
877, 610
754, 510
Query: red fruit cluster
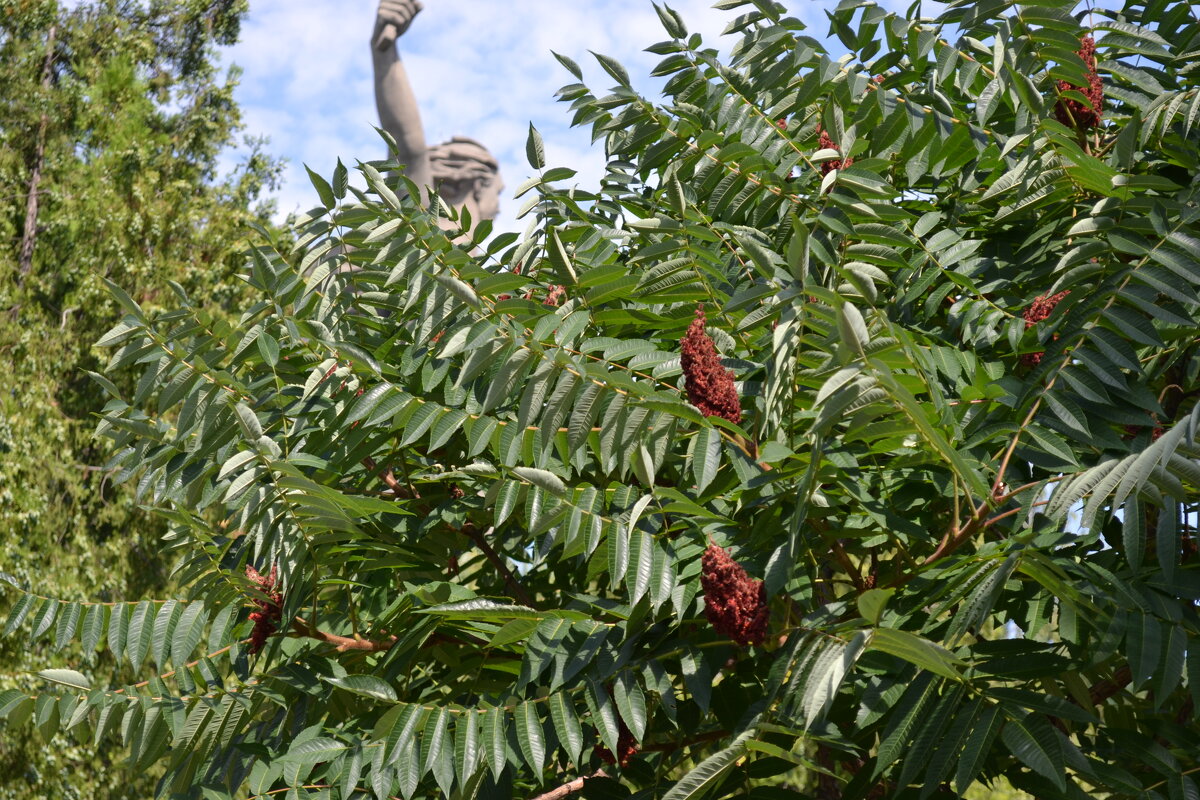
1155, 433
1039, 310
555, 295
627, 746
266, 618
1073, 113
826, 142
456, 492
709, 385
734, 603
1042, 306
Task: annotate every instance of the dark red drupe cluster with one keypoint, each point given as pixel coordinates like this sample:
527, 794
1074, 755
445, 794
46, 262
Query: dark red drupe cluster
1039, 310
826, 142
734, 603
555, 296
627, 746
710, 386
1073, 113
1155, 433
1042, 307
269, 609
456, 492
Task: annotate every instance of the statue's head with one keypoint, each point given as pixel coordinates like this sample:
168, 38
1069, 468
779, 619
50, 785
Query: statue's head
465, 173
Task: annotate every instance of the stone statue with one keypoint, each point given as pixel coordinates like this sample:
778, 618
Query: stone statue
462, 170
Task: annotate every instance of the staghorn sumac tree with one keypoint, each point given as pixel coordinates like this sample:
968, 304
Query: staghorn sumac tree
490, 523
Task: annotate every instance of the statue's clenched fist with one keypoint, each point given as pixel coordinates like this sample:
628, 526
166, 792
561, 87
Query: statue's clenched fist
392, 20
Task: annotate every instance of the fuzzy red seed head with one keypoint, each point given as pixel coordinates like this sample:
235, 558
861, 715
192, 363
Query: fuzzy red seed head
709, 385
268, 610
627, 746
734, 603
264, 582
1073, 113
1040, 309
826, 142
1042, 306
555, 296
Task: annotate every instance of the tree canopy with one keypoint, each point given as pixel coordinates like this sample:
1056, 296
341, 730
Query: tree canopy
841, 443
113, 116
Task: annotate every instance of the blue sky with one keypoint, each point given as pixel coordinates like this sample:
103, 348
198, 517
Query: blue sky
480, 68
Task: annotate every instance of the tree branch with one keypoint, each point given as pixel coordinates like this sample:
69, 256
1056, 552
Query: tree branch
839, 553
1013, 511
1099, 692
670, 747
1105, 689
514, 586
29, 232
397, 488
342, 643
570, 788
955, 537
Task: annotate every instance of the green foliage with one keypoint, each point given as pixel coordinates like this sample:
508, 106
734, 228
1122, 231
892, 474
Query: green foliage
113, 115
487, 511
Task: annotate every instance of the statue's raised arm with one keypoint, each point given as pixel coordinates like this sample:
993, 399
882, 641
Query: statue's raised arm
462, 170
398, 112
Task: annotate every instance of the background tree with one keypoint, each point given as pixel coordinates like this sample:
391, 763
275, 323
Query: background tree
500, 514
112, 117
